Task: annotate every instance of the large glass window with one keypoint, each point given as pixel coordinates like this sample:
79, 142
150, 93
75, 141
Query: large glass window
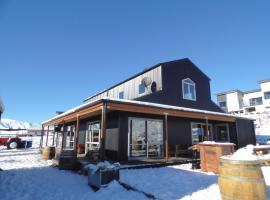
198, 132
145, 137
255, 101
267, 95
222, 133
189, 89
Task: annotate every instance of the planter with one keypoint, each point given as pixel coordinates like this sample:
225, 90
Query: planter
210, 154
99, 177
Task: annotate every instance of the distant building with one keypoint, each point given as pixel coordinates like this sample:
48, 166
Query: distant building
254, 101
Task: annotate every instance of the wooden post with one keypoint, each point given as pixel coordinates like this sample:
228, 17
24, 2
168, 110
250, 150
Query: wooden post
57, 139
103, 131
166, 137
53, 135
41, 139
207, 129
63, 127
77, 134
47, 136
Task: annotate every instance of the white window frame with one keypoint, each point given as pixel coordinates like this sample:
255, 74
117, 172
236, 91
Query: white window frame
190, 84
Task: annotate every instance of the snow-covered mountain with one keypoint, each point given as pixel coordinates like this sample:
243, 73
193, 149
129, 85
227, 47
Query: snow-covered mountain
14, 124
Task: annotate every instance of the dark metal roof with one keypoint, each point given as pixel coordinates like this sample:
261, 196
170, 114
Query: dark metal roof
251, 91
264, 81
228, 92
144, 71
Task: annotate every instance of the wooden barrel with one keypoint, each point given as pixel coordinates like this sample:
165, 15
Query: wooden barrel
241, 180
48, 153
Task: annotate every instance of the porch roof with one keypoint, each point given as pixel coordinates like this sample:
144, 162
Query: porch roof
95, 108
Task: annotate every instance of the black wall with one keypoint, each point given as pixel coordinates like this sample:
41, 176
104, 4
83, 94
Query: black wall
172, 75
245, 132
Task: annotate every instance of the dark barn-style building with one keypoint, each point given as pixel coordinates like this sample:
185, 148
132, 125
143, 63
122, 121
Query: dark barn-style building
154, 114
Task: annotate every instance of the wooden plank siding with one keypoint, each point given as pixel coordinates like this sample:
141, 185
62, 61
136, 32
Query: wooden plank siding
131, 87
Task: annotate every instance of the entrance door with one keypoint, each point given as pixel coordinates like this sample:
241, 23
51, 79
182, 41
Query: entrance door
145, 138
92, 136
69, 137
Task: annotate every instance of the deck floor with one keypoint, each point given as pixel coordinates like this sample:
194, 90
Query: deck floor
143, 162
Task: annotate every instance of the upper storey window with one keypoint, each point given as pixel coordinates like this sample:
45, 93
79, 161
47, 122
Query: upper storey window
121, 95
141, 88
189, 89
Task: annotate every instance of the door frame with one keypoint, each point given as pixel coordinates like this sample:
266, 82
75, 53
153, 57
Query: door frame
228, 131
204, 124
146, 136
87, 131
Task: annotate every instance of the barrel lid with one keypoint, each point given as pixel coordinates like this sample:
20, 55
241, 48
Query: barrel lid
228, 159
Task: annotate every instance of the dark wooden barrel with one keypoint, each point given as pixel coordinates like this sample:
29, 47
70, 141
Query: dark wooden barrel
241, 180
48, 153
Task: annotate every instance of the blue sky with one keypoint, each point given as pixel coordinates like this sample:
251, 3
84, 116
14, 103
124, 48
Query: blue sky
53, 54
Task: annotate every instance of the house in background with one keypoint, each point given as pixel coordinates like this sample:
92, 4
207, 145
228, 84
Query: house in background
160, 110
255, 104
254, 101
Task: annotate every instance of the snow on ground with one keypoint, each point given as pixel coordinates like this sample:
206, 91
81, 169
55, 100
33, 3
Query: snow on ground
173, 183
29, 177
178, 182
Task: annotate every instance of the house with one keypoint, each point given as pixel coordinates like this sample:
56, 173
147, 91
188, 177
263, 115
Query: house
254, 101
164, 109
254, 104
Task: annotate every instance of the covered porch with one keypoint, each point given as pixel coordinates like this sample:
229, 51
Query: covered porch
124, 130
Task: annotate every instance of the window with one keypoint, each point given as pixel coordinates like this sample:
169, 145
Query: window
255, 101
222, 132
189, 90
141, 88
199, 132
121, 95
223, 104
69, 137
267, 95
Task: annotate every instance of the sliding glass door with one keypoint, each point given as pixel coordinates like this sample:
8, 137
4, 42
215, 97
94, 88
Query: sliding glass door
145, 138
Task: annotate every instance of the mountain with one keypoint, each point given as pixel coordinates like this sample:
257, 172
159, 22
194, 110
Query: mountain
14, 124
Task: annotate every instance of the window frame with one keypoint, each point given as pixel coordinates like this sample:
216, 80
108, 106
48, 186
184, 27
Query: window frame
189, 85
122, 93
227, 130
265, 94
253, 101
139, 86
225, 102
